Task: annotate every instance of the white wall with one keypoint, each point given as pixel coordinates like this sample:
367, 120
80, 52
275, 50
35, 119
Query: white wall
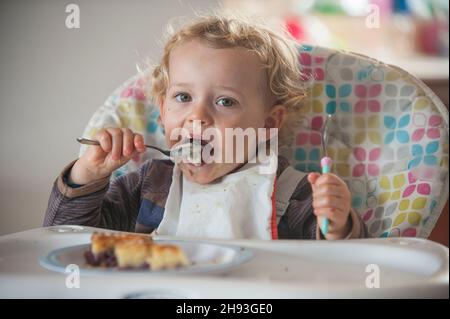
52, 79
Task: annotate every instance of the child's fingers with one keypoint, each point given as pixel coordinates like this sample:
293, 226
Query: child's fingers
105, 140
128, 142
139, 143
331, 222
329, 190
312, 177
327, 202
328, 179
333, 214
321, 217
117, 141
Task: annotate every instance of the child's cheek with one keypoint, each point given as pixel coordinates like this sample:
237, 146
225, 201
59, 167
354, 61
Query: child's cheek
170, 136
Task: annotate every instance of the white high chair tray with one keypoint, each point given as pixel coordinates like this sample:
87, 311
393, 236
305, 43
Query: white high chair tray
408, 268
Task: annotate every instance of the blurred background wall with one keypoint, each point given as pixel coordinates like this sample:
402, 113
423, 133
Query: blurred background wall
52, 79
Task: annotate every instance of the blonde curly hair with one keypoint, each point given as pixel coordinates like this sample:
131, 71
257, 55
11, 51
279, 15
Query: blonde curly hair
276, 50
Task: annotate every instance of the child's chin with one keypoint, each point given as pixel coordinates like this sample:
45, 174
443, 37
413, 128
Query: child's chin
199, 180
203, 174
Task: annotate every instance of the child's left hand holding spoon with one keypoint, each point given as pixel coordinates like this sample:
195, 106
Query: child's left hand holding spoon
331, 199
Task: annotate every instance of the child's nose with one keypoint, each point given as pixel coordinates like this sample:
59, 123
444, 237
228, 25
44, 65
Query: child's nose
200, 112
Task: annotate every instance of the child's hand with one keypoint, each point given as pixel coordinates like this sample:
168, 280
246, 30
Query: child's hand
117, 146
331, 199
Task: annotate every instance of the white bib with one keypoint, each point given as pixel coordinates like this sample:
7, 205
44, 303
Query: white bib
238, 206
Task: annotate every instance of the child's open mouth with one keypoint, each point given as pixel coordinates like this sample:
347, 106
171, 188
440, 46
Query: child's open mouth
196, 148
193, 151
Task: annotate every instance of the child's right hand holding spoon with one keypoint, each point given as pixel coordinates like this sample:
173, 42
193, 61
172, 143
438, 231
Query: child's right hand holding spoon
117, 147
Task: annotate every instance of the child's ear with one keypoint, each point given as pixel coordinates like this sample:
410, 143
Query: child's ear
276, 117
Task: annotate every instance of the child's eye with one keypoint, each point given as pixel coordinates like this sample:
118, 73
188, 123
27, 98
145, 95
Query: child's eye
226, 102
183, 97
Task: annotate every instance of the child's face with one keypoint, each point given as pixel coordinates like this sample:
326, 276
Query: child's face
218, 88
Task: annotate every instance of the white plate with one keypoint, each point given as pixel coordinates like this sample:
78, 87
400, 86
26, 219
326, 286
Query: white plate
205, 258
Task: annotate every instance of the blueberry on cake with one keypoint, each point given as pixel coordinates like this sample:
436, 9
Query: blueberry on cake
133, 251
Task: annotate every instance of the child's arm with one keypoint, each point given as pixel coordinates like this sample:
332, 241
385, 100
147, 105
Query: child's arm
98, 203
94, 202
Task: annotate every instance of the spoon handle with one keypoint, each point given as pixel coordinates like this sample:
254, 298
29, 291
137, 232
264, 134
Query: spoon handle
94, 142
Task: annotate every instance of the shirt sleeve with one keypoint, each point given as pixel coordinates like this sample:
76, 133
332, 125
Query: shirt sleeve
299, 222
100, 203
358, 228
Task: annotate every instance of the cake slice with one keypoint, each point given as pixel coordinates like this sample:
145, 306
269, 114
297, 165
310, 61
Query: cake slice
132, 254
166, 257
133, 251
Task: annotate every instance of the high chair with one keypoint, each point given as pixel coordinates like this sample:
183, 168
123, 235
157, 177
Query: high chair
390, 143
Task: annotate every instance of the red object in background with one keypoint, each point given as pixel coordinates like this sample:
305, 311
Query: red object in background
295, 28
428, 37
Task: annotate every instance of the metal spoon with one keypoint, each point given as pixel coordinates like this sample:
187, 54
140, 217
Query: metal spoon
178, 152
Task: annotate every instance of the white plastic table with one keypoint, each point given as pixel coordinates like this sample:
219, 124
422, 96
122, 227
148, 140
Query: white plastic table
408, 268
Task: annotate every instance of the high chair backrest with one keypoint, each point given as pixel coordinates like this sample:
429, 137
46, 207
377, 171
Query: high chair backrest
390, 138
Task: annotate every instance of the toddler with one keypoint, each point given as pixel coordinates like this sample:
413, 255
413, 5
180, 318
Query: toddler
216, 73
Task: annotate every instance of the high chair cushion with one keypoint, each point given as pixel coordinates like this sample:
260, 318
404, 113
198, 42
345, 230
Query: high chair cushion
388, 136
